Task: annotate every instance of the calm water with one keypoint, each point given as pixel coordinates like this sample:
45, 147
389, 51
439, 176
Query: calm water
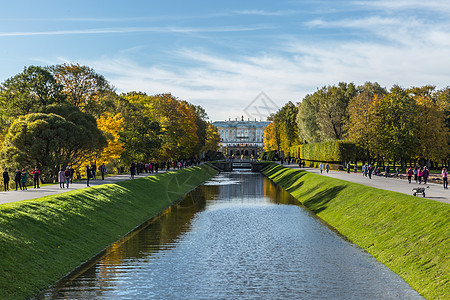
236, 237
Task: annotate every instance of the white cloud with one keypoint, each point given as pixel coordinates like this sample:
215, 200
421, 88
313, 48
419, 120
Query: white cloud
401, 5
225, 86
258, 12
139, 29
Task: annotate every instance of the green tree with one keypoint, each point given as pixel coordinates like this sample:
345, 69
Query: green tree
141, 140
50, 141
359, 128
322, 116
308, 128
333, 114
443, 102
177, 120
84, 87
396, 131
27, 92
285, 121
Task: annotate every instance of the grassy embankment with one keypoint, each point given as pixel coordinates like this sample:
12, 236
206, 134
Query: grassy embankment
41, 240
408, 234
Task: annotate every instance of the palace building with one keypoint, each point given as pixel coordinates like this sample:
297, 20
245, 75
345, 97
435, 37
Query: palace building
240, 137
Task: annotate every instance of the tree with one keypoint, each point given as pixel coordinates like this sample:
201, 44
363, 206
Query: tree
111, 126
396, 131
322, 116
432, 133
308, 128
177, 121
286, 129
50, 141
83, 87
200, 118
141, 140
212, 138
443, 102
141, 134
33, 89
271, 139
332, 114
359, 128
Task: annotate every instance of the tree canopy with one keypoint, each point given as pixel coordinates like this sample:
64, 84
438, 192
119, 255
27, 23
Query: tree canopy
50, 141
69, 114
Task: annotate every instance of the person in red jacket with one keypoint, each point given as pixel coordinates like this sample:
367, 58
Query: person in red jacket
410, 174
36, 173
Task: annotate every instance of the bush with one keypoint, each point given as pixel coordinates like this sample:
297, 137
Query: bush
331, 151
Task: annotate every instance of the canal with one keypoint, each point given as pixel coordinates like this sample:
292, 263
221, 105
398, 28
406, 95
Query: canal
238, 236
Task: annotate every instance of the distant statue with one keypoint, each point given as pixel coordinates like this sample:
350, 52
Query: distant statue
242, 118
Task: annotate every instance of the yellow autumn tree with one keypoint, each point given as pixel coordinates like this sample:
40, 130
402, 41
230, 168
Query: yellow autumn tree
432, 132
212, 138
111, 125
271, 139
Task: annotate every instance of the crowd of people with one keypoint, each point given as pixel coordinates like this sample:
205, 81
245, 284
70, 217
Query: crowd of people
66, 175
154, 167
420, 174
21, 178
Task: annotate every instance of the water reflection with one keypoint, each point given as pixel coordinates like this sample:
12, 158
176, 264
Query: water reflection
231, 238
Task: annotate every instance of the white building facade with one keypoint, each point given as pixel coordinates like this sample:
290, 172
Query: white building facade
241, 138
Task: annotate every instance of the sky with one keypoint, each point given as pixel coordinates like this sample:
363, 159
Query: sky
233, 58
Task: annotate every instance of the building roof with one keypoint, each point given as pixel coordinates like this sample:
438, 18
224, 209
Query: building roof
241, 123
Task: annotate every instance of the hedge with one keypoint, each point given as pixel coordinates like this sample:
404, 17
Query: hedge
331, 151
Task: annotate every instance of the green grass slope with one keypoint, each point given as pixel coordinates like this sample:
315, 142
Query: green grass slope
41, 240
408, 234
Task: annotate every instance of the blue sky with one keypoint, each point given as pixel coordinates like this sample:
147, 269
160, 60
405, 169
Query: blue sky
223, 54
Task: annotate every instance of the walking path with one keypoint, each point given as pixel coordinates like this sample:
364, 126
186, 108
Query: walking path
434, 191
32, 193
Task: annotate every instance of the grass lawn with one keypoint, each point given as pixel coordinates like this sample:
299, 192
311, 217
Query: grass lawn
408, 234
42, 240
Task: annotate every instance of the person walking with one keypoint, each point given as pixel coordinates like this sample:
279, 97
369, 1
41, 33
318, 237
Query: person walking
36, 173
363, 169
132, 170
410, 174
17, 179
88, 175
6, 179
425, 175
419, 175
370, 171
327, 167
348, 167
61, 178
416, 171
386, 171
68, 175
94, 172
321, 167
356, 167
24, 179
103, 170
72, 171
445, 177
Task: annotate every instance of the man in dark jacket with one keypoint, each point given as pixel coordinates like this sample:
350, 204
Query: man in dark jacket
17, 179
6, 179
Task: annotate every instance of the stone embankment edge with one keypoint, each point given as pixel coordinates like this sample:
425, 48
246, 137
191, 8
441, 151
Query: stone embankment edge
42, 240
407, 234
